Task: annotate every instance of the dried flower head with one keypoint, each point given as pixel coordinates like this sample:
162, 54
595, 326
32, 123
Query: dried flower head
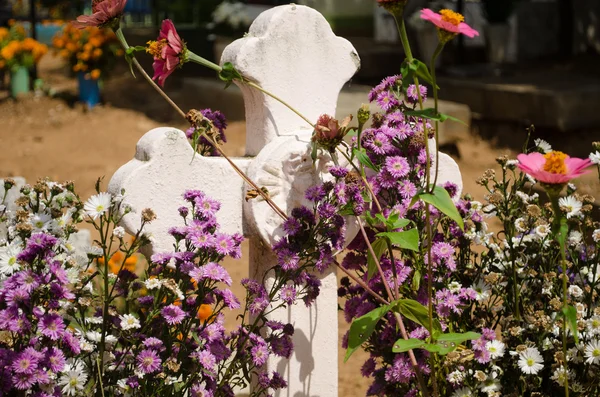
104, 13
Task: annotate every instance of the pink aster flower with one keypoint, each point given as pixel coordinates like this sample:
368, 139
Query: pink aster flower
449, 21
148, 361
169, 52
554, 167
173, 314
104, 12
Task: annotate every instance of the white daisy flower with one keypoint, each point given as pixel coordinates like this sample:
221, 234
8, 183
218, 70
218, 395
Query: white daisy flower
560, 375
73, 379
454, 286
595, 157
97, 205
570, 205
575, 238
542, 231
86, 346
41, 221
462, 392
129, 322
8, 259
153, 283
594, 274
523, 196
592, 352
575, 291
483, 291
119, 232
531, 361
521, 225
592, 325
456, 377
495, 348
490, 385
596, 235
542, 145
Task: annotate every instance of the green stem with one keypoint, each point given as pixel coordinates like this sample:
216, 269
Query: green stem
558, 220
438, 51
407, 50
201, 61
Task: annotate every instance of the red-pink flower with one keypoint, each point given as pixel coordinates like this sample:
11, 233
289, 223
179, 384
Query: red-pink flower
553, 167
449, 21
104, 12
168, 51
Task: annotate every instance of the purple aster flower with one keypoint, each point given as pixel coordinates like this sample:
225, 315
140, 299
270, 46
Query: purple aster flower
148, 361
214, 271
451, 188
26, 362
488, 334
315, 193
178, 232
400, 371
394, 119
282, 346
258, 304
153, 343
288, 294
277, 382
292, 226
201, 240
368, 367
161, 258
55, 359
413, 96
52, 326
287, 259
379, 143
206, 359
229, 298
338, 172
191, 195
206, 206
183, 211
199, 390
260, 354
340, 193
407, 190
387, 101
397, 166
304, 214
224, 244
326, 210
71, 342
145, 300
173, 314
23, 381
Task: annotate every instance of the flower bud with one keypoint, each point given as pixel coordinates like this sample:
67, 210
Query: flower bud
394, 7
363, 114
329, 132
9, 183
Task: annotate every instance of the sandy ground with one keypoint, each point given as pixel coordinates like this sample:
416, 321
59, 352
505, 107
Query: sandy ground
42, 136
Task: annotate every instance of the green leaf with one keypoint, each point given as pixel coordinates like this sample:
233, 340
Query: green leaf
404, 345
408, 239
458, 338
441, 348
418, 313
570, 314
416, 281
352, 132
421, 70
441, 200
379, 247
362, 328
400, 223
431, 114
362, 157
314, 152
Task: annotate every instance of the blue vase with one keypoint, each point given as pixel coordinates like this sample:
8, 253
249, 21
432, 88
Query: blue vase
89, 90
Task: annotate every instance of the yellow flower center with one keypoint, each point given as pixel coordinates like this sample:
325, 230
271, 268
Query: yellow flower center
155, 48
452, 17
555, 162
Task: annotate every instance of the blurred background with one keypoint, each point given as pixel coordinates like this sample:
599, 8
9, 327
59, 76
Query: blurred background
70, 109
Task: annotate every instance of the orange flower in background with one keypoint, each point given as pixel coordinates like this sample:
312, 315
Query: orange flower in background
204, 312
116, 261
95, 74
3, 33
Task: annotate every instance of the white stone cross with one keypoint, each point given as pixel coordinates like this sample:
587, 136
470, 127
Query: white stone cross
292, 52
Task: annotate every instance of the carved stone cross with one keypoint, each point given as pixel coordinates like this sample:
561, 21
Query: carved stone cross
292, 52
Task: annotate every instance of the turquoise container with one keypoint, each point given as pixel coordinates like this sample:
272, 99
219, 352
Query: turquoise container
89, 90
19, 81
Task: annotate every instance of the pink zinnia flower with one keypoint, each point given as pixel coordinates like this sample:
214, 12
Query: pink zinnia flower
104, 12
169, 52
553, 167
449, 21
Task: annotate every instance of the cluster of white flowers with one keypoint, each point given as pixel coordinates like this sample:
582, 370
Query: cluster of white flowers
234, 14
